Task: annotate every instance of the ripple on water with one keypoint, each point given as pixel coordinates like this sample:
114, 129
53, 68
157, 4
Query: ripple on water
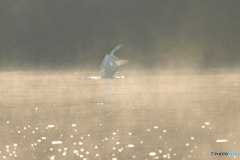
61, 116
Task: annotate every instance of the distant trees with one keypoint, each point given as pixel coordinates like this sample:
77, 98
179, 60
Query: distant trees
53, 34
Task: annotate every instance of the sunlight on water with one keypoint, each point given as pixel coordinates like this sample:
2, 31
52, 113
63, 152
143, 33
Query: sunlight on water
56, 142
66, 116
93, 77
152, 153
131, 145
222, 140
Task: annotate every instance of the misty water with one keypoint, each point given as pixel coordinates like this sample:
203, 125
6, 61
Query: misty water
64, 115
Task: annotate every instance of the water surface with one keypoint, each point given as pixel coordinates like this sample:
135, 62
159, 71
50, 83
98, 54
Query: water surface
65, 115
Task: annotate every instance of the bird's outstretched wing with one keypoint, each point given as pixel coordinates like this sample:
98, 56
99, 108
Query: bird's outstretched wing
121, 62
103, 62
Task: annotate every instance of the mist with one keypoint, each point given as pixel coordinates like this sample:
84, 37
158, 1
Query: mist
77, 34
177, 98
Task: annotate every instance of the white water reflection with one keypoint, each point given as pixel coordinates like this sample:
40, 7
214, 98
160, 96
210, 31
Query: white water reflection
66, 116
152, 153
56, 142
131, 145
116, 77
222, 140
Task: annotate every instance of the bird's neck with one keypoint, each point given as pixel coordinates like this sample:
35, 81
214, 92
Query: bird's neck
113, 51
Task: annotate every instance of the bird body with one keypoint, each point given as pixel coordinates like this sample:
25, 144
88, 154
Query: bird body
111, 63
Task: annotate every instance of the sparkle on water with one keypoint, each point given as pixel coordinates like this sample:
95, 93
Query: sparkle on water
62, 115
222, 140
152, 154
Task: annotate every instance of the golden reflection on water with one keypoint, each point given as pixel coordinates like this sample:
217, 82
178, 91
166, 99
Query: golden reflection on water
57, 115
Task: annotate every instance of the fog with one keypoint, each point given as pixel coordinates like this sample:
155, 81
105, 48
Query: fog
178, 98
64, 116
77, 34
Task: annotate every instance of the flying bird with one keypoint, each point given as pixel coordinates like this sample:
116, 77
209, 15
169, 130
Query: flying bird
111, 63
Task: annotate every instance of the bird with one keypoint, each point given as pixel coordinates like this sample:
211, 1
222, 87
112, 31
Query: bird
111, 63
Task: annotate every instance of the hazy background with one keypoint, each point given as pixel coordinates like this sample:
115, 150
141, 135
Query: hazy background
76, 34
